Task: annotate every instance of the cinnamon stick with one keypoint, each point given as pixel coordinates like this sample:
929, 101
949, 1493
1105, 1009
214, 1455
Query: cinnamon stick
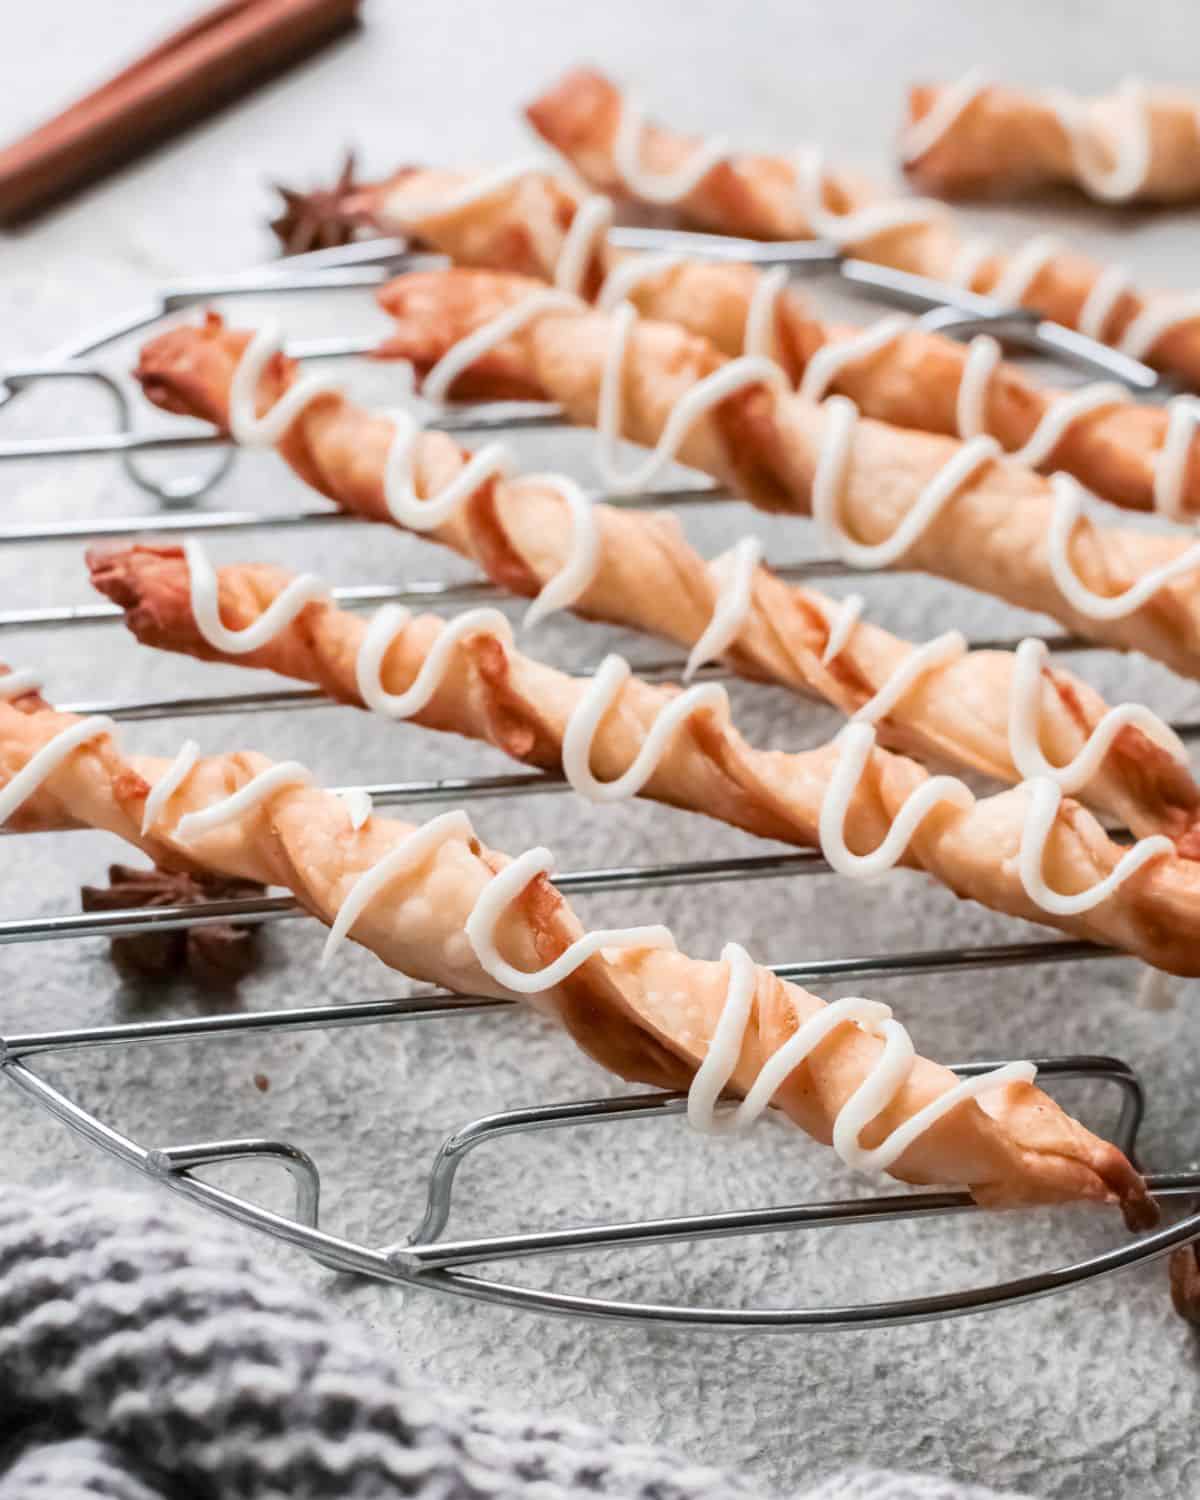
214, 58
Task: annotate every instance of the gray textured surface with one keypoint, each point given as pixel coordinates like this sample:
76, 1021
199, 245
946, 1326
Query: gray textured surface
1093, 1394
183, 1365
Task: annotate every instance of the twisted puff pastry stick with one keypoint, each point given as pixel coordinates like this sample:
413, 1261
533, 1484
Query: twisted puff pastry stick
646, 1013
650, 579
1134, 144
491, 692
756, 196
993, 534
913, 380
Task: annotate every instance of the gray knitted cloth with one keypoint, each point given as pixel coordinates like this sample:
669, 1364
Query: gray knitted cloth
141, 1359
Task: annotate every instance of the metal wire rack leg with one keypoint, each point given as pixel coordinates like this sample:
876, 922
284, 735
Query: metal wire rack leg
177, 492
426, 1260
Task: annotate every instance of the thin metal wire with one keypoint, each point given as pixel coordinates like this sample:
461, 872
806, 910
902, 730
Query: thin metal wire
428, 1260
125, 923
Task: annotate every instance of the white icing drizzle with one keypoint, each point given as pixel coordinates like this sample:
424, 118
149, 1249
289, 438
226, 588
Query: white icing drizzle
661, 187
17, 684
246, 427
388, 623
598, 698
399, 489
855, 743
878, 1090
573, 578
169, 783
886, 1080
204, 596
1131, 151
853, 228
492, 461
629, 275
761, 315
1107, 290
1156, 320
592, 221
983, 358
1045, 798
502, 890
257, 789
724, 1047
822, 369
590, 224
934, 654
1139, 338
828, 478
735, 571
403, 504
1115, 183
1024, 716
405, 857
948, 108
358, 804
1171, 462
970, 402
480, 188
841, 626
1068, 504
48, 759
462, 356
687, 411
1025, 700
969, 259
1024, 267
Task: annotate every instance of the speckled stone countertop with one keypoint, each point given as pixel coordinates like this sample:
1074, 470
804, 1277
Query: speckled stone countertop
1092, 1394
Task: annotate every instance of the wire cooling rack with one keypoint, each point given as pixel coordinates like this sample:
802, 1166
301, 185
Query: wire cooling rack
428, 1257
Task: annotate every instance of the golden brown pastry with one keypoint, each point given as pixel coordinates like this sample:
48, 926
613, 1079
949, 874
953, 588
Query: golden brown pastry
650, 579
756, 196
885, 496
1134, 144
893, 370
479, 685
638, 1007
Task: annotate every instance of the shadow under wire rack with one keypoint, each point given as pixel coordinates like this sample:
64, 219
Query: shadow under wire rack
428, 1257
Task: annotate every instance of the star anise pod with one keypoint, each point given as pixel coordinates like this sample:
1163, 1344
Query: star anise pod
215, 957
320, 218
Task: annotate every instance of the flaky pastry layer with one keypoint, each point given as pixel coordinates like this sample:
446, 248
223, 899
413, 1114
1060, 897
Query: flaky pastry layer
492, 692
1008, 140
650, 579
913, 381
993, 536
755, 196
